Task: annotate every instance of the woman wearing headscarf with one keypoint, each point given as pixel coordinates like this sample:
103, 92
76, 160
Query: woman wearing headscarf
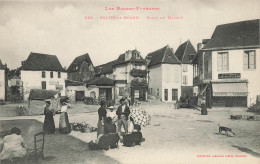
64, 125
48, 125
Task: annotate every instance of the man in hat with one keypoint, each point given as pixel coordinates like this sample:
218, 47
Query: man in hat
123, 112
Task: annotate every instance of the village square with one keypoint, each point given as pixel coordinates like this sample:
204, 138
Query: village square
190, 103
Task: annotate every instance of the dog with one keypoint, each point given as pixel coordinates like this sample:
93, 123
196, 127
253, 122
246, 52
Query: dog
132, 139
226, 129
236, 117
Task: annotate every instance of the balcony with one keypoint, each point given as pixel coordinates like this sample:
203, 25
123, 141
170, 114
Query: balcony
204, 76
208, 75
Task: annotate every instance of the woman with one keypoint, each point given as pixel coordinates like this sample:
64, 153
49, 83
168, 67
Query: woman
102, 113
14, 148
48, 126
204, 110
64, 126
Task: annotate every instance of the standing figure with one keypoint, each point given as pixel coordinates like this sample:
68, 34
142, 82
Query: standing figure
110, 126
204, 110
48, 125
102, 113
64, 126
14, 147
122, 112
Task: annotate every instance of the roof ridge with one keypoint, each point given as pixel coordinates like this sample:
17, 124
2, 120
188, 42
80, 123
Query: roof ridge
167, 46
187, 42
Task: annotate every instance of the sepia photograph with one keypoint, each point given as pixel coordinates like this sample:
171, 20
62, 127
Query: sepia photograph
129, 82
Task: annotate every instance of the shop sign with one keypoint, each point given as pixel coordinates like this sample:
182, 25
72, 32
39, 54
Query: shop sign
229, 76
229, 94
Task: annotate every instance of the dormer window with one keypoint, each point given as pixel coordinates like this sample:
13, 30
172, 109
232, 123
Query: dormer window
137, 56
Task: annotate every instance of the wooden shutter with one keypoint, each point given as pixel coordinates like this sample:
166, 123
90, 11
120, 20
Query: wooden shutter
220, 62
245, 60
251, 59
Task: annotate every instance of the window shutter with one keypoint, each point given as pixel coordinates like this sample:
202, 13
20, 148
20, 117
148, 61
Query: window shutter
245, 60
252, 59
227, 61
219, 62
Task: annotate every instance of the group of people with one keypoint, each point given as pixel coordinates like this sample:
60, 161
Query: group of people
110, 121
49, 125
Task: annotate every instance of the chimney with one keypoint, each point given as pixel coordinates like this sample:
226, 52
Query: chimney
23, 62
199, 46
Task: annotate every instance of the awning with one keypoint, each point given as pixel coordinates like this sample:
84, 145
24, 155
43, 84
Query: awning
229, 89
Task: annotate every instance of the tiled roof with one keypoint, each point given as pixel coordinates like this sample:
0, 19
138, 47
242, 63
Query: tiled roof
185, 51
108, 67
121, 58
100, 81
105, 68
42, 62
77, 62
73, 83
163, 55
243, 34
1, 65
39, 94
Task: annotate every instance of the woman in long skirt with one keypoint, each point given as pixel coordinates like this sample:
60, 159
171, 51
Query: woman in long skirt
64, 126
48, 126
102, 112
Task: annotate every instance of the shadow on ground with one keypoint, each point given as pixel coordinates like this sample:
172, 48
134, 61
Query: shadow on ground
248, 151
59, 148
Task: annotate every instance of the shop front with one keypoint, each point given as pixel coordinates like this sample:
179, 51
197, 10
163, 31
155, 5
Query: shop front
229, 94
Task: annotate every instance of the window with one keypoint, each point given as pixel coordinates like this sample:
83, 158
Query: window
137, 56
59, 75
51, 75
43, 74
166, 94
174, 94
223, 61
43, 84
184, 79
249, 60
185, 68
121, 91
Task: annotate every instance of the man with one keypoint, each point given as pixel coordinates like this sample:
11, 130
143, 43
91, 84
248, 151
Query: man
123, 112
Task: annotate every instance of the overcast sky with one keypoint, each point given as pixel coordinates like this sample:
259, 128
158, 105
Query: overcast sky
60, 28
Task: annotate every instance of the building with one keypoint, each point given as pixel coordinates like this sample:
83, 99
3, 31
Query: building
164, 74
42, 71
130, 75
227, 65
185, 53
79, 71
3, 81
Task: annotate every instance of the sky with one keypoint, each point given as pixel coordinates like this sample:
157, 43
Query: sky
60, 27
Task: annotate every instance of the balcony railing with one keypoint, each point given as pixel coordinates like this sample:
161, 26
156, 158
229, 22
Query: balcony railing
208, 75
204, 76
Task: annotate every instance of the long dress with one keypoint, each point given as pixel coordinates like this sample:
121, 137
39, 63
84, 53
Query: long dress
48, 126
64, 125
101, 114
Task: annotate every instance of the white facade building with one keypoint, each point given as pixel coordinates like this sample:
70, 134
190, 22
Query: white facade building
164, 74
41, 71
226, 69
